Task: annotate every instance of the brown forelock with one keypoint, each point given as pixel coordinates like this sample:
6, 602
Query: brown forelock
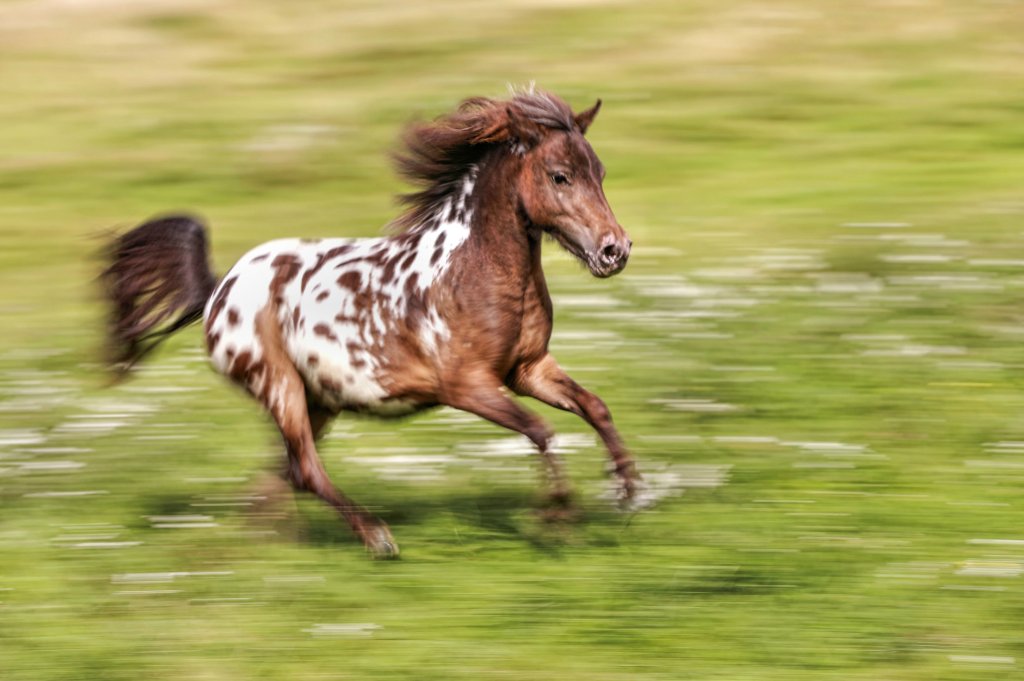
436, 154
544, 108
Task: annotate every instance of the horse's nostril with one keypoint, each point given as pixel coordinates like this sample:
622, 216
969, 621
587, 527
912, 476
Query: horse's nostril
610, 253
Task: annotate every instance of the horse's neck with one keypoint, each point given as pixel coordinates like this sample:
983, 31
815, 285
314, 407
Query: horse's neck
498, 248
493, 283
476, 240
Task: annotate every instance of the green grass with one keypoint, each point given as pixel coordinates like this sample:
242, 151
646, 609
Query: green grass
815, 350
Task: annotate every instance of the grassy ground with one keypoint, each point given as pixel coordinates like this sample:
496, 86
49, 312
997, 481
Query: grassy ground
814, 351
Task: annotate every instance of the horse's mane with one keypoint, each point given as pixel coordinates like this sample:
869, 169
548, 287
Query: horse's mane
437, 154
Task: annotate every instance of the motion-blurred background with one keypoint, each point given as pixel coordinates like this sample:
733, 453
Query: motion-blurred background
814, 352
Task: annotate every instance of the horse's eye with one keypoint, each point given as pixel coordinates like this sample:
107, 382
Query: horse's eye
559, 178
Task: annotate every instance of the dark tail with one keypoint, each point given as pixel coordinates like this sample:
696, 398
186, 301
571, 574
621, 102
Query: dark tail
157, 272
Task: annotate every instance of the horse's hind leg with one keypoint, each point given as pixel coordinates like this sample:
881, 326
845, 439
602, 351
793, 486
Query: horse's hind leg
274, 490
306, 472
283, 393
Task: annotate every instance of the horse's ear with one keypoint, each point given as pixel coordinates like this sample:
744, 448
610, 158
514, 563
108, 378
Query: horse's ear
585, 118
521, 129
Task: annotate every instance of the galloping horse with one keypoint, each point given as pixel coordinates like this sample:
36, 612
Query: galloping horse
450, 310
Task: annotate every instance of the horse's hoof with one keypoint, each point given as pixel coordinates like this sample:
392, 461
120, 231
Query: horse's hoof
629, 496
380, 543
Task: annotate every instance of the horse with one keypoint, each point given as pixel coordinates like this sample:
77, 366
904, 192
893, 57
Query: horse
451, 308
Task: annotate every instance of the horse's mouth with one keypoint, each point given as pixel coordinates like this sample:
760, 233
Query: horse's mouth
602, 271
591, 259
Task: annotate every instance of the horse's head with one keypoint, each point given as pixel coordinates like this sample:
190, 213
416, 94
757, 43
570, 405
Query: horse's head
560, 190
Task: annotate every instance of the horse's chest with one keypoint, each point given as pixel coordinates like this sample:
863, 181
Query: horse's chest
536, 323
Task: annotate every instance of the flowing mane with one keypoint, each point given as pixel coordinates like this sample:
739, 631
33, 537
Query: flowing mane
437, 154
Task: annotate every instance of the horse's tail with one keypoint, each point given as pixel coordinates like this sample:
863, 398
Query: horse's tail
158, 272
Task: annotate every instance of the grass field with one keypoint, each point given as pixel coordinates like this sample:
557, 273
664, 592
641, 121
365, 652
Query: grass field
814, 352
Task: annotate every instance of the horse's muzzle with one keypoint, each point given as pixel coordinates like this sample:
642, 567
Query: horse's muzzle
610, 258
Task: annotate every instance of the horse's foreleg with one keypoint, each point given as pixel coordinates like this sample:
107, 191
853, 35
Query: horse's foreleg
548, 382
486, 399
